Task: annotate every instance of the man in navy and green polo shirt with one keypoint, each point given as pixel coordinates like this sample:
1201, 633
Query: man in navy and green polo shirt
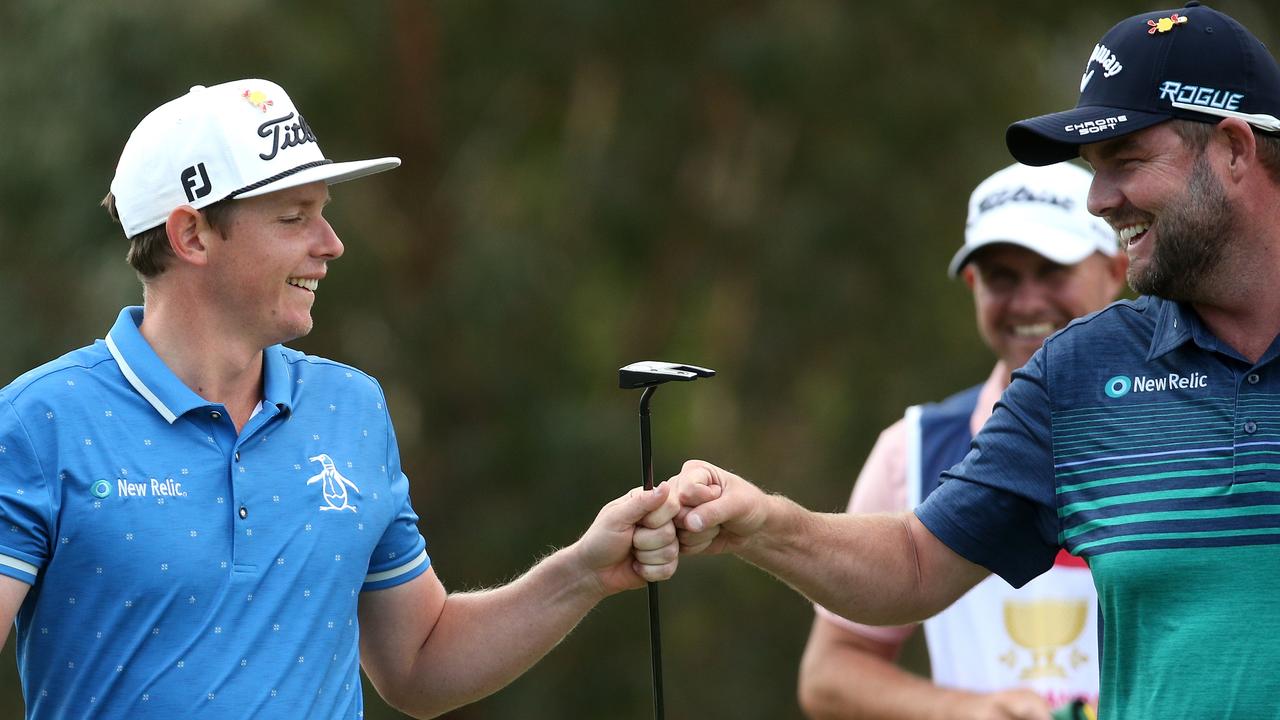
1143, 438
1035, 259
196, 521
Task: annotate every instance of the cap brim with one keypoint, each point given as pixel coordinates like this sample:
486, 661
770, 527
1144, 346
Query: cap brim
329, 173
1051, 243
1056, 137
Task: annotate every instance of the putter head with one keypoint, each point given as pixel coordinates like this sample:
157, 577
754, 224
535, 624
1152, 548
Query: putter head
648, 373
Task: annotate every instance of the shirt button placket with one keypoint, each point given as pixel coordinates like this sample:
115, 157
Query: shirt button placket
244, 510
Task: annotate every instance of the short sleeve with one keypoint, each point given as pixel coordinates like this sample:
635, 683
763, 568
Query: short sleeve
997, 507
25, 508
401, 554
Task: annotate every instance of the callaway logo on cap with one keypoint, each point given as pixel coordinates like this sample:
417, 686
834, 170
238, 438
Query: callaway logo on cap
1194, 63
234, 140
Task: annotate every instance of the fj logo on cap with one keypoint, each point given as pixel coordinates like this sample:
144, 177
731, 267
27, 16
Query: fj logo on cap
1166, 24
189, 185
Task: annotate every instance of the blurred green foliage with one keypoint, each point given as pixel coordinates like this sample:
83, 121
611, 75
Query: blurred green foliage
772, 189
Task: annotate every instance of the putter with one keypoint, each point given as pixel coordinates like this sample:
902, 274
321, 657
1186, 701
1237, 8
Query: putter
649, 374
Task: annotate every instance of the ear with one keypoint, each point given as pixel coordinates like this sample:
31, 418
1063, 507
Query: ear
188, 233
967, 272
1241, 144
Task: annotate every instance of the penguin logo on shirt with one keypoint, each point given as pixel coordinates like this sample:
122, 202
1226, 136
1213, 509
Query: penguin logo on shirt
332, 484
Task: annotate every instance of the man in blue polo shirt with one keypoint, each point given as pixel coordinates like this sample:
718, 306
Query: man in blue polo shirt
196, 521
1142, 438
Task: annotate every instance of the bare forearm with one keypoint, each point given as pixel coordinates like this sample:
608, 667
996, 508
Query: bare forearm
869, 568
427, 651
846, 675
890, 693
852, 685
12, 593
484, 640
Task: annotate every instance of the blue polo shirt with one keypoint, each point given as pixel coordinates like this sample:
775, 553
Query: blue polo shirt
1136, 439
179, 569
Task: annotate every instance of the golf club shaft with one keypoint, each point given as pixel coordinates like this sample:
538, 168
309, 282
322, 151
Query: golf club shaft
655, 650
655, 627
646, 443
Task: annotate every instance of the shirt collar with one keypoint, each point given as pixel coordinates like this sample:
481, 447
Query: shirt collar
157, 384
277, 380
1175, 325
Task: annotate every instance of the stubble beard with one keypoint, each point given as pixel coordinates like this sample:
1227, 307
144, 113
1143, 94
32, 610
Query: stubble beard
1192, 239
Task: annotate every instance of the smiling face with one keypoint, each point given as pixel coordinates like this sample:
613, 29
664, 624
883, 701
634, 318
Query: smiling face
1022, 297
269, 261
1172, 213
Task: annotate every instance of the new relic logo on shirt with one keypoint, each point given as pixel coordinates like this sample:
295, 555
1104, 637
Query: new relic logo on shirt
151, 487
1121, 385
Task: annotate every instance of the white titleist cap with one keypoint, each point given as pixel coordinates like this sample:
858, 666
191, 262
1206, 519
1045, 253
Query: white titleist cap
234, 140
1043, 209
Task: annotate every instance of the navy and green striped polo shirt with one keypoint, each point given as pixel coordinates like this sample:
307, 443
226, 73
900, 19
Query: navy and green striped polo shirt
1139, 441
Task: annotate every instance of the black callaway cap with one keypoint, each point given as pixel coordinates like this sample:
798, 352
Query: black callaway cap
1195, 63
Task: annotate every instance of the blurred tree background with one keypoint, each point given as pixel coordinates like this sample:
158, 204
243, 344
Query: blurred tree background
769, 188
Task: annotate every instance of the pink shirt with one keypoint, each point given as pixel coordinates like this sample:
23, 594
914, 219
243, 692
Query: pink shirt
882, 488
972, 644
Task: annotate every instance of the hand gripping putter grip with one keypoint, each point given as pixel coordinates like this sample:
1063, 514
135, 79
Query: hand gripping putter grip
649, 374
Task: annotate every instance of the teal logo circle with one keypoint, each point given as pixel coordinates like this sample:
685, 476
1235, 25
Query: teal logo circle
1118, 386
100, 489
